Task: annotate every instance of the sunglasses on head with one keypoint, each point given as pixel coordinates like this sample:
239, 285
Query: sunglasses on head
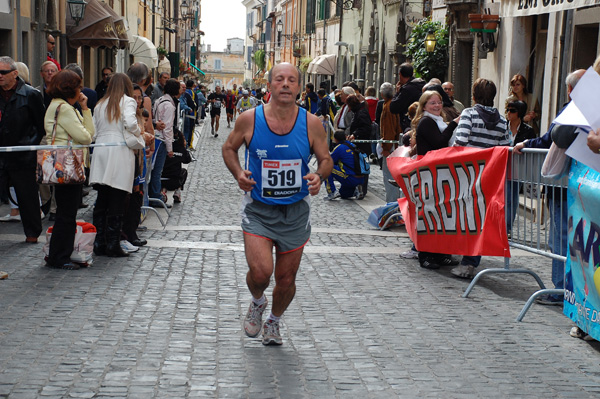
511, 110
6, 71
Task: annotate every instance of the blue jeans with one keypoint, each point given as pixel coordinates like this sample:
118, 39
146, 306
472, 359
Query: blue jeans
512, 202
471, 260
392, 193
188, 129
158, 162
558, 237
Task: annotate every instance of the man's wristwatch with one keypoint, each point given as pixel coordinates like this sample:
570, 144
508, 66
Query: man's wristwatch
320, 176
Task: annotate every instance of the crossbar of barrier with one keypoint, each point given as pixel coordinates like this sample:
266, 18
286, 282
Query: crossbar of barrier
23, 148
534, 210
377, 141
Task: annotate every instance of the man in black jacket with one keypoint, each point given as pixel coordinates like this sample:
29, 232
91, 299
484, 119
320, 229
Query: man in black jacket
21, 123
408, 90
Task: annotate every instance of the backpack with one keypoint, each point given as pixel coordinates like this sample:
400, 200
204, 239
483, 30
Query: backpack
361, 161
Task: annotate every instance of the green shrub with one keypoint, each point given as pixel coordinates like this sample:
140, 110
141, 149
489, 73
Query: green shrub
428, 65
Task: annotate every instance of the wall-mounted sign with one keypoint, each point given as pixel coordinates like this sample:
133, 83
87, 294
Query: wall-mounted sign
521, 8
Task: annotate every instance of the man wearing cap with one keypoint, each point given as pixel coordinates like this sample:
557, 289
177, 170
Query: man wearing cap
246, 102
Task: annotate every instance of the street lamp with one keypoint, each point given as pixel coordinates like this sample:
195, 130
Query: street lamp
430, 42
77, 10
279, 26
184, 9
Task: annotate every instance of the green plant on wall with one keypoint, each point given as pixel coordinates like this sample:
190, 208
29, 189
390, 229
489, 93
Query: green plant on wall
428, 65
259, 59
304, 61
161, 51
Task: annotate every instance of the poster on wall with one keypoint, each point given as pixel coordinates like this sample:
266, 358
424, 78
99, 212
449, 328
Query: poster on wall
582, 269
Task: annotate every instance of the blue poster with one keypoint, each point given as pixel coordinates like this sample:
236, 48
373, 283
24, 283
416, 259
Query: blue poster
582, 269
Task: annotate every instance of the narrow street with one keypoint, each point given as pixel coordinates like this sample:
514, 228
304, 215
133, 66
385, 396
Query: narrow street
166, 322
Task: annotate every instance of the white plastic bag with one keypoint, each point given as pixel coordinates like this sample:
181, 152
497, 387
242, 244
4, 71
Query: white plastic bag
83, 246
557, 162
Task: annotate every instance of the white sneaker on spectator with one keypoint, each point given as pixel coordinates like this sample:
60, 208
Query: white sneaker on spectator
410, 254
128, 247
10, 218
464, 271
332, 196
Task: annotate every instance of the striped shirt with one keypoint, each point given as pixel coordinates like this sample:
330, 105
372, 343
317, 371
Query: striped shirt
472, 131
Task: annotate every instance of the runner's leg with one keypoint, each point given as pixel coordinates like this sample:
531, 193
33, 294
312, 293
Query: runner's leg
259, 255
286, 267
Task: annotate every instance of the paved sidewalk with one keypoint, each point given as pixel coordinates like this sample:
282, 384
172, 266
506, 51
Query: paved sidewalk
166, 322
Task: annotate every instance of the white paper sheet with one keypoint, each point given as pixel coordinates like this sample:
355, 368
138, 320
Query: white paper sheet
580, 151
572, 116
585, 96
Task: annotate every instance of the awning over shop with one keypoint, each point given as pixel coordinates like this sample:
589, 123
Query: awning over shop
323, 65
197, 69
143, 50
119, 24
96, 29
521, 8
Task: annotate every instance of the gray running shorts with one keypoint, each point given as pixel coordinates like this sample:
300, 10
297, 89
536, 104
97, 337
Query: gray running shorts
288, 226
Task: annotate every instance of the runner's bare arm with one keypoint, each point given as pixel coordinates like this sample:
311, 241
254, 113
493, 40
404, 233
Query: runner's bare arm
241, 134
318, 144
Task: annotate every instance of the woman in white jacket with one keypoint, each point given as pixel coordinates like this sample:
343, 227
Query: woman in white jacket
112, 169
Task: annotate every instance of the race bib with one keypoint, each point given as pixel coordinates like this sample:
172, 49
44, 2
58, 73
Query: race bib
217, 104
281, 179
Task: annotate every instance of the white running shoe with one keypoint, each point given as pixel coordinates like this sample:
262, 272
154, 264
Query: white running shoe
253, 320
271, 335
128, 247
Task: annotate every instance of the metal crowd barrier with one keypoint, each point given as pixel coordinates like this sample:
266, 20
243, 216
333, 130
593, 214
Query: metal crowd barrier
530, 203
24, 148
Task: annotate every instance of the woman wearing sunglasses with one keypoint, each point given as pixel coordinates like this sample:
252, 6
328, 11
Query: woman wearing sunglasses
519, 131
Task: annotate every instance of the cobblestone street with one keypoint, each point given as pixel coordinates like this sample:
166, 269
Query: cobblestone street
365, 323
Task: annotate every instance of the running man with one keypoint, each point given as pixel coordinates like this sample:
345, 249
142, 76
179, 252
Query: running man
236, 93
279, 139
245, 103
216, 100
229, 106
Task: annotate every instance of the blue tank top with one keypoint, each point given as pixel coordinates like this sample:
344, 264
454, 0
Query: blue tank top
278, 162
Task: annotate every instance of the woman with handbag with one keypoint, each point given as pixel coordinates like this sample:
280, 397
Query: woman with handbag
112, 169
64, 124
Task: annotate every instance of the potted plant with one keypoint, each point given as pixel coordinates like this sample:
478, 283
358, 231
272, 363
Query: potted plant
490, 22
476, 22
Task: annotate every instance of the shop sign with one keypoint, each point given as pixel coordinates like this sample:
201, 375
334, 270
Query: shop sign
521, 8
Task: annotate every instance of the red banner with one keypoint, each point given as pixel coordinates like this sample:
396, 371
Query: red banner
455, 200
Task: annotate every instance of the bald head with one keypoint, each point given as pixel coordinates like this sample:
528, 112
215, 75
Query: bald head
138, 73
572, 80
50, 43
276, 68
